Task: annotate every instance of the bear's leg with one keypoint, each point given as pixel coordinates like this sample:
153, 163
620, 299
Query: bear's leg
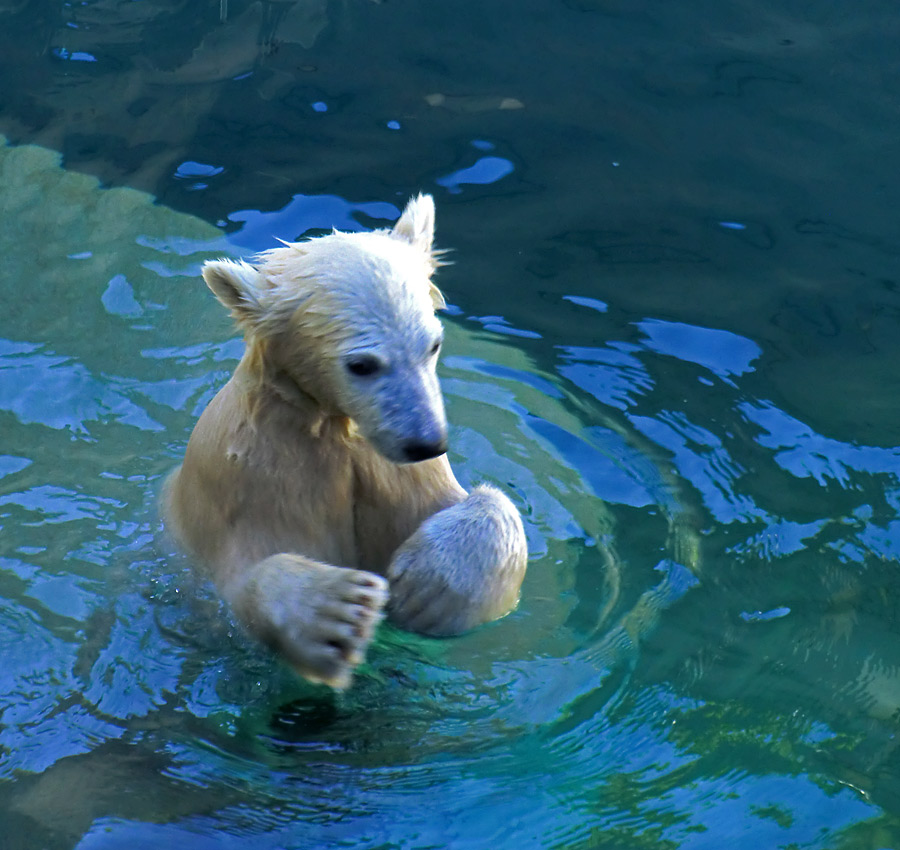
463, 566
319, 617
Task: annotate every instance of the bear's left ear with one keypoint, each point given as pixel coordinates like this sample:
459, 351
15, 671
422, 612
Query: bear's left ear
416, 225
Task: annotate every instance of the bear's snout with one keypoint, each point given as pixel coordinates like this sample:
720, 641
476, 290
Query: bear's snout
416, 450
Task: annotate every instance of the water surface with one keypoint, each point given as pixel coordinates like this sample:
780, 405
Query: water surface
673, 342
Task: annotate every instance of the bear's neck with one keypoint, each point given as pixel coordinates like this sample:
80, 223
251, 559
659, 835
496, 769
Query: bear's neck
271, 392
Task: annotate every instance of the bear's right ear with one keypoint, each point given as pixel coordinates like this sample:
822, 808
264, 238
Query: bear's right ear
238, 286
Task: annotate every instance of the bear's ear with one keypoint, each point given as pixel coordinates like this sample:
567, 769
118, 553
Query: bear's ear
416, 225
238, 286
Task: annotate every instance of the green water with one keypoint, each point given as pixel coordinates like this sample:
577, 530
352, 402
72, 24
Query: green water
673, 342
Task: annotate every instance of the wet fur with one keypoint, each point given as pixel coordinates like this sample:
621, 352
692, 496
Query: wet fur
294, 492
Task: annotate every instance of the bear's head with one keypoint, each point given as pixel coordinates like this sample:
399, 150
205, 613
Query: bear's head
348, 320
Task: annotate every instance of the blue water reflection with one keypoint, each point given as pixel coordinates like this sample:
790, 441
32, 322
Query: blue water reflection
262, 230
699, 655
722, 352
60, 393
802, 452
613, 375
485, 170
606, 474
704, 460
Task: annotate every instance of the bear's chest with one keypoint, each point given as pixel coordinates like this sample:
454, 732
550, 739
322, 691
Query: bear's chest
302, 503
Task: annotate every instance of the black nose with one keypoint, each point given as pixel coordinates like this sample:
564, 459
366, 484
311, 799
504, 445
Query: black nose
416, 451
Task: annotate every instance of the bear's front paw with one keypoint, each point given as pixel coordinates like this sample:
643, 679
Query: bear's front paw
320, 618
422, 600
462, 567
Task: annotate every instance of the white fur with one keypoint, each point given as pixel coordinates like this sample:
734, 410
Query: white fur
320, 466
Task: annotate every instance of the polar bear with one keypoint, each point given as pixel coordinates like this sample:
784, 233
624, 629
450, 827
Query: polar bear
315, 488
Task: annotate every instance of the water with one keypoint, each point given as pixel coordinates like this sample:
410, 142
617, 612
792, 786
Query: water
673, 342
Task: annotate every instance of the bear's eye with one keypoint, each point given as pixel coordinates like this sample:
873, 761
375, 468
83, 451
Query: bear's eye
364, 366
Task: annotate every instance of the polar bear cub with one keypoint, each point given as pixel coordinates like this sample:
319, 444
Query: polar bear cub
315, 488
